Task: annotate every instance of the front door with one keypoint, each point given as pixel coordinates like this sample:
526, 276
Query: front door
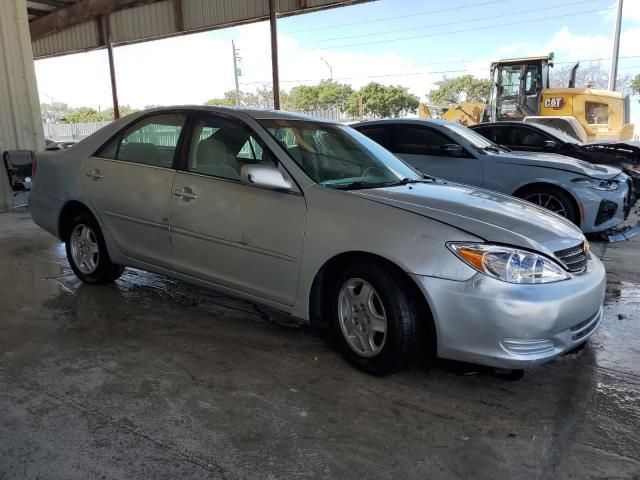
420, 147
227, 232
129, 184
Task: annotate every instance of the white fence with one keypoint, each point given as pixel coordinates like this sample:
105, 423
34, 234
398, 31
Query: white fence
71, 132
74, 132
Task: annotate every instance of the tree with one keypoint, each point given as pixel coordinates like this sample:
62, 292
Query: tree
81, 115
589, 76
635, 86
88, 114
54, 111
376, 100
228, 100
262, 98
459, 89
326, 95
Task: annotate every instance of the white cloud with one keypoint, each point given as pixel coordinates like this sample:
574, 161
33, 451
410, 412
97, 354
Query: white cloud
630, 12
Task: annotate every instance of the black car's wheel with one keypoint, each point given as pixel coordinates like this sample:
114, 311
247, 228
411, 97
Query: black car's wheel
374, 319
87, 251
552, 199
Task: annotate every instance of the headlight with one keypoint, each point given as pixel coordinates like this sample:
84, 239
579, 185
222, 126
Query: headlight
597, 184
509, 264
631, 168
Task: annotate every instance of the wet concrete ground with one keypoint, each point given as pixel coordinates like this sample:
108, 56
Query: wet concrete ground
154, 379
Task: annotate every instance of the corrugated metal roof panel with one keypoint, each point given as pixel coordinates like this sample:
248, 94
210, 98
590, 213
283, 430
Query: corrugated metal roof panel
157, 19
143, 22
79, 37
202, 14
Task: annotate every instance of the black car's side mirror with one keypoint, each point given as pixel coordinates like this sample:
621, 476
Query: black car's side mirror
549, 145
451, 149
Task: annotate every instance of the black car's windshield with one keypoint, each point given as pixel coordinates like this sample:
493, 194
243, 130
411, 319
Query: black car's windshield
474, 139
559, 134
337, 156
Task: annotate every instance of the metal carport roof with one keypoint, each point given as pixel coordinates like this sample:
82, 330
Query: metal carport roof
64, 26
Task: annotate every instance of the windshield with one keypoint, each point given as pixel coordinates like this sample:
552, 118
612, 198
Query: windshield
338, 156
476, 140
559, 134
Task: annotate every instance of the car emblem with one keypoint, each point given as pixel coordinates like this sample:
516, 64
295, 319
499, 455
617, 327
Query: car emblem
585, 248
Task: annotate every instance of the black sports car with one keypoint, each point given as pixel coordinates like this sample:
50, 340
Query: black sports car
534, 137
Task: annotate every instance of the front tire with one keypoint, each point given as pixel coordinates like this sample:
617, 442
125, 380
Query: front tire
552, 199
87, 252
374, 319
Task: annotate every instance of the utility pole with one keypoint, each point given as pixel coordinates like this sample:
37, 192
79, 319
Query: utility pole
275, 72
328, 66
613, 73
236, 71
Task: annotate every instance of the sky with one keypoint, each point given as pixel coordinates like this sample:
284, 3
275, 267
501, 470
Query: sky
413, 43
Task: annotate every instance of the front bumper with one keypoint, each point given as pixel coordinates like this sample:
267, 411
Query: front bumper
498, 324
603, 210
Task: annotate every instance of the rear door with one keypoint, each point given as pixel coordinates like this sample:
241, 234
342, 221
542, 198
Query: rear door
129, 185
420, 147
224, 231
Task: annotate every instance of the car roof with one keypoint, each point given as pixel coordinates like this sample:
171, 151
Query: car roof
501, 122
402, 121
254, 113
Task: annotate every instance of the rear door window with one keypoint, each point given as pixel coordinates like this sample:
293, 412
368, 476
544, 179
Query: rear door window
418, 140
150, 141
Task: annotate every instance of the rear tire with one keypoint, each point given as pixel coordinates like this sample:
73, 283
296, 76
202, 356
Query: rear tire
87, 251
373, 319
553, 199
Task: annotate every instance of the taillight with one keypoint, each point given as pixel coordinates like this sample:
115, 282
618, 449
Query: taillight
34, 166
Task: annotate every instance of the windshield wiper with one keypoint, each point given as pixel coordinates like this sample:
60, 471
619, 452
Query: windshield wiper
491, 148
362, 185
506, 149
424, 178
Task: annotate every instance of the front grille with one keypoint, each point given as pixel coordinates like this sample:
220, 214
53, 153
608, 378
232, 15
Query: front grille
606, 211
573, 258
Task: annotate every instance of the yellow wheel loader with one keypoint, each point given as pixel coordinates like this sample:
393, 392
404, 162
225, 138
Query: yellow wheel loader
520, 91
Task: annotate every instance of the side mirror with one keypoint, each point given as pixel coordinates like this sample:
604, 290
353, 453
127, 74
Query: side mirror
266, 176
451, 149
549, 145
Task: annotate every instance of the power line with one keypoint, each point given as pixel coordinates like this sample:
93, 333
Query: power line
446, 24
469, 60
413, 74
487, 27
384, 19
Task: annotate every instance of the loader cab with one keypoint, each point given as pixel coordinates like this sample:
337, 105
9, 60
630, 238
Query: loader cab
516, 87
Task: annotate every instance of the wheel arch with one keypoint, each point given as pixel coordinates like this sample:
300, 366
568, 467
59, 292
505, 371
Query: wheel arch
318, 305
68, 212
523, 188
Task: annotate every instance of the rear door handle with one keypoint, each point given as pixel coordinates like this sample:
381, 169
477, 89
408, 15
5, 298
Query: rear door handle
95, 174
185, 193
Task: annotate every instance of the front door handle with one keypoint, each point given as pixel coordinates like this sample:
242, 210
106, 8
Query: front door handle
95, 174
185, 193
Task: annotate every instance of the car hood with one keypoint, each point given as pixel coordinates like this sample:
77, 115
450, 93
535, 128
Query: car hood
558, 162
491, 216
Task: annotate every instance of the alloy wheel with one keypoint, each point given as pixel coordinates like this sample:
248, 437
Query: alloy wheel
363, 320
548, 201
85, 250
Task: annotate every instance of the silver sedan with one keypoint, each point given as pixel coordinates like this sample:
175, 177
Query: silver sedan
318, 221
594, 197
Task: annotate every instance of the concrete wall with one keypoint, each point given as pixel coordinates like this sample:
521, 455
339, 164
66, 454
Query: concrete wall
20, 120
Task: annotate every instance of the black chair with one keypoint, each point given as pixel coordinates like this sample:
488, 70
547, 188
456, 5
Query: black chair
18, 164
